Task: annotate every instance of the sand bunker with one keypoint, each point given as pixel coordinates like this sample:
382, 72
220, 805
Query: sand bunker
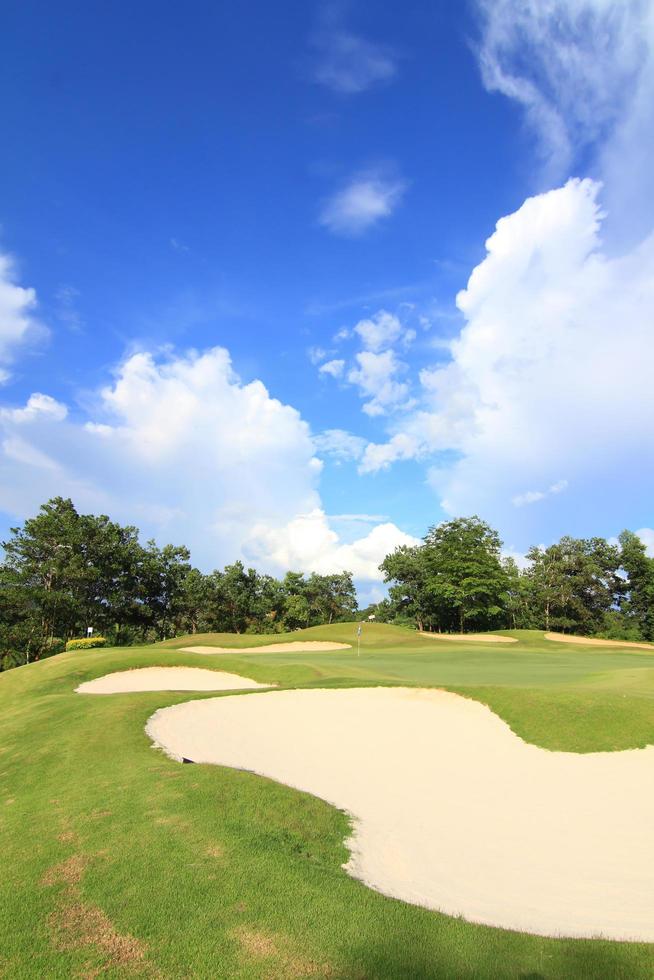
299, 646
452, 810
167, 679
470, 637
588, 641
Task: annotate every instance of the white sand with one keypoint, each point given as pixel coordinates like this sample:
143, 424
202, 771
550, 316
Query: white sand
452, 810
294, 647
469, 637
167, 679
588, 641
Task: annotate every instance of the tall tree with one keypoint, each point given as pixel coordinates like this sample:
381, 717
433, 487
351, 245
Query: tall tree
466, 576
455, 580
573, 584
638, 598
407, 568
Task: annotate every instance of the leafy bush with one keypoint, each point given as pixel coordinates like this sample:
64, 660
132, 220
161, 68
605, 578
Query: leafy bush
11, 658
617, 626
87, 643
52, 646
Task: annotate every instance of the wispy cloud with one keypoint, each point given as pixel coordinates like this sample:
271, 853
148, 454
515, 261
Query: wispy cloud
66, 310
178, 246
534, 496
317, 354
341, 445
362, 203
572, 66
349, 64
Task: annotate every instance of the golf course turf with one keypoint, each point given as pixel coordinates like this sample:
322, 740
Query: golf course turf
120, 862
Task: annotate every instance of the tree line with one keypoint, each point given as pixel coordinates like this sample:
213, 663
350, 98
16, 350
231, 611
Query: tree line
64, 571
456, 580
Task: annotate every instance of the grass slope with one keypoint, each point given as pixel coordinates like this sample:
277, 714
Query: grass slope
119, 862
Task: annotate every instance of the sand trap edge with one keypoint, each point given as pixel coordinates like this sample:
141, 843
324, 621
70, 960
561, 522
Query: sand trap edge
597, 642
192, 679
315, 646
354, 842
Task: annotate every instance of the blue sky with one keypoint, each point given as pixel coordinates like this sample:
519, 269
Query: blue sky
306, 187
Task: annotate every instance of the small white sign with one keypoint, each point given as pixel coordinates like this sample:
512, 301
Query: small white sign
89, 631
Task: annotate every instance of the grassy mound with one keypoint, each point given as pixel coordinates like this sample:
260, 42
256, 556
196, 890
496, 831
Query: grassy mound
119, 862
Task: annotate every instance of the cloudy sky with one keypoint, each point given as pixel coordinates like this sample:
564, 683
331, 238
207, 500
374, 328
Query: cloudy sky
291, 282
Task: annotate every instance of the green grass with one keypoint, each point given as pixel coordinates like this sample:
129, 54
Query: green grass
217, 873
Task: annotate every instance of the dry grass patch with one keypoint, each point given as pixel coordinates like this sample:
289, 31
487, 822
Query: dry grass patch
68, 872
254, 943
75, 924
258, 945
174, 821
67, 837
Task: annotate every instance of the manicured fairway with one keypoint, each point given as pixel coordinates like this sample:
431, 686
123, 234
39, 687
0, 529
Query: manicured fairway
119, 861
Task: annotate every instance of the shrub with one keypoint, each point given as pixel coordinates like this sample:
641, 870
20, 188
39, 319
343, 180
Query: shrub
52, 646
11, 658
86, 643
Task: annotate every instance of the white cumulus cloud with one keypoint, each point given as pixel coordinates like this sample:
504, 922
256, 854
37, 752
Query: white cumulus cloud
551, 372
646, 535
37, 405
375, 376
183, 448
309, 542
18, 322
333, 368
379, 331
380, 456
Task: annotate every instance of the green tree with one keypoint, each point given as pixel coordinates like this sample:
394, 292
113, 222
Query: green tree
638, 599
518, 610
573, 584
466, 576
296, 612
454, 581
407, 568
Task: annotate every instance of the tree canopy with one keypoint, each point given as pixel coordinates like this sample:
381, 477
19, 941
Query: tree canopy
64, 572
455, 580
458, 581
